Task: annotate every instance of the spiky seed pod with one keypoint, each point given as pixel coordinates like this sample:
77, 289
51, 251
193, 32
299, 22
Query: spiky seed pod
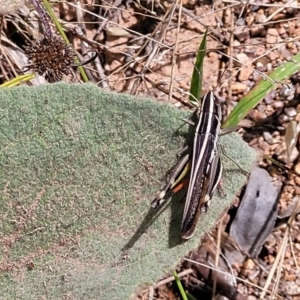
51, 57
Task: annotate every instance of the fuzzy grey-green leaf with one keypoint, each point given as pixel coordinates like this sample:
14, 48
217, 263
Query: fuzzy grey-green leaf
79, 168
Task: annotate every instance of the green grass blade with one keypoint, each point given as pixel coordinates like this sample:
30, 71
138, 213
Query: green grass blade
190, 296
196, 82
249, 101
17, 80
180, 287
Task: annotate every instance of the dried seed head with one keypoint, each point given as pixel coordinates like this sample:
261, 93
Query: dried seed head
51, 57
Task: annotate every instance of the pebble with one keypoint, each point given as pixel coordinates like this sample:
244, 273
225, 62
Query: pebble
286, 91
286, 197
271, 259
243, 59
291, 288
281, 30
286, 53
269, 67
260, 18
240, 22
269, 98
260, 51
272, 36
256, 77
292, 8
272, 32
268, 137
278, 104
242, 34
257, 116
297, 170
281, 152
257, 30
279, 16
290, 111
245, 73
236, 43
290, 277
259, 66
238, 88
297, 178
273, 55
288, 189
291, 97
283, 119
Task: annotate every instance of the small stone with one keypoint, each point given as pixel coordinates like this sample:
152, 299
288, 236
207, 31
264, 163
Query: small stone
286, 197
286, 53
258, 116
290, 277
272, 32
243, 59
281, 152
291, 97
294, 155
281, 30
213, 56
236, 43
297, 118
291, 288
278, 104
296, 32
272, 38
245, 73
259, 66
283, 118
297, 239
273, 55
269, 98
288, 189
256, 76
240, 22
268, 137
242, 34
290, 111
260, 18
238, 88
249, 264
297, 170
287, 92
260, 50
297, 178
292, 8
269, 67
296, 190
258, 30
279, 16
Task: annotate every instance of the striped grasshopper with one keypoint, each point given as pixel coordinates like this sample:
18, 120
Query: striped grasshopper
201, 167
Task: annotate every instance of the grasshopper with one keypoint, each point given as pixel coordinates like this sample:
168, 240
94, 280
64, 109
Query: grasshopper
202, 167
